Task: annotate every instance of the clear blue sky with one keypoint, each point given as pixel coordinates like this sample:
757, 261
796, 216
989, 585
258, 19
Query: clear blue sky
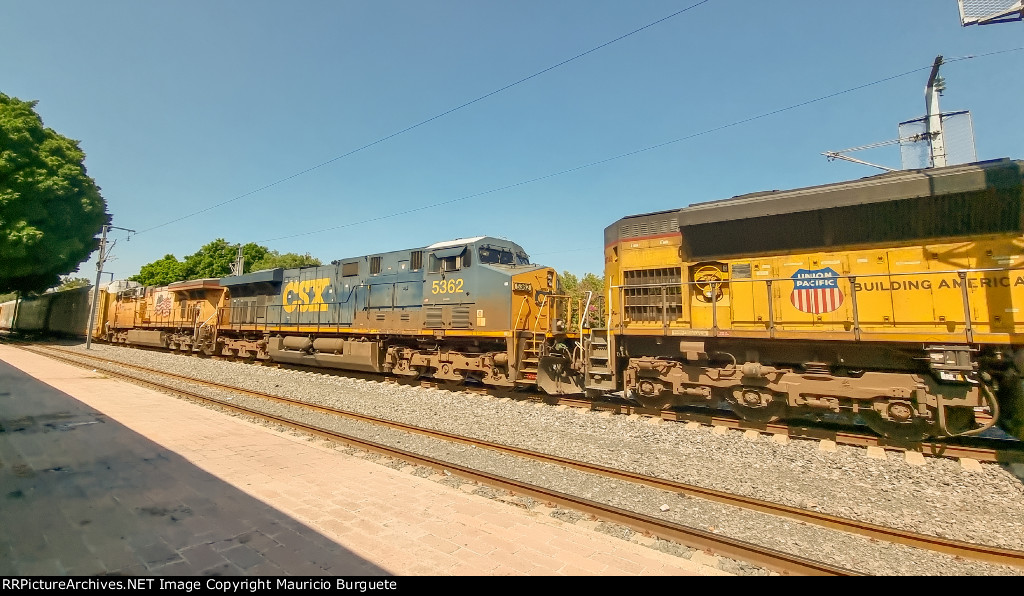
183, 105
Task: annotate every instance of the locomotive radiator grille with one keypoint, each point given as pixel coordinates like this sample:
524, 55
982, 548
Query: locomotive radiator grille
653, 295
433, 317
460, 317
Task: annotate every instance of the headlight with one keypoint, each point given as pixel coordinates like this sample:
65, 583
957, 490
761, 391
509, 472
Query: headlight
559, 325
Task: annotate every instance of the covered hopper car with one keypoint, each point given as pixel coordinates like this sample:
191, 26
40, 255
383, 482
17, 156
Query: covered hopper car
58, 313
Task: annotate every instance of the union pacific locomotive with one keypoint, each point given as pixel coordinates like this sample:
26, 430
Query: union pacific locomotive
896, 300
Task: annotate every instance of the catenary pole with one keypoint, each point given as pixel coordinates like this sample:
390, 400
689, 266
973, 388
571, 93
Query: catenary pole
100, 260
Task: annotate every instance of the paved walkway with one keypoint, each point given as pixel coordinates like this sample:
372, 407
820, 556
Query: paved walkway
102, 476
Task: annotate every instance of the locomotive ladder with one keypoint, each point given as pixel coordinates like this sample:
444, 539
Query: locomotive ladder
530, 345
600, 371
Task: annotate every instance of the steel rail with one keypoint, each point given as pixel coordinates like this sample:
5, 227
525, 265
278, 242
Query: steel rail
779, 561
1012, 452
978, 552
998, 451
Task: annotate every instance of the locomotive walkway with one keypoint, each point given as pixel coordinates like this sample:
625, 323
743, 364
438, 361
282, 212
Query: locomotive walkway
99, 476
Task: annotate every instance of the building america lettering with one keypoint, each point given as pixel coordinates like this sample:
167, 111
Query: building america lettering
973, 283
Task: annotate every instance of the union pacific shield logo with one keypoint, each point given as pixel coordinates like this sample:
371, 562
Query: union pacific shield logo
816, 291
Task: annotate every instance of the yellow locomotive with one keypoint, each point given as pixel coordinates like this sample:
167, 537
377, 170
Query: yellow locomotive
897, 298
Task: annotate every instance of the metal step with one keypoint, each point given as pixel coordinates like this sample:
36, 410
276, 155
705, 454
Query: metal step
603, 385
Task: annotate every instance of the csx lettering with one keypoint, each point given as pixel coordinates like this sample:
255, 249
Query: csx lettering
450, 286
305, 295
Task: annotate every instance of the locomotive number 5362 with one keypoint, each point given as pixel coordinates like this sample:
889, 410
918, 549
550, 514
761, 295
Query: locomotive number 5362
446, 286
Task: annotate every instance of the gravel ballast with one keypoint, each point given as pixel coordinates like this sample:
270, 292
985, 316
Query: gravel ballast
941, 498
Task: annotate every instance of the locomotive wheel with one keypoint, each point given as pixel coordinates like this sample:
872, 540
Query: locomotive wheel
753, 405
914, 431
761, 415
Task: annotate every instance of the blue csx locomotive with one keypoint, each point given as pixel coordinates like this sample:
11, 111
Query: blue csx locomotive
469, 309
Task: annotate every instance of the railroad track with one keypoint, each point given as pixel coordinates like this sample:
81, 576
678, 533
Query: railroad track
980, 449
782, 562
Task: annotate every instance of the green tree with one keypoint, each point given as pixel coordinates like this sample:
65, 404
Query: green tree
70, 283
577, 289
161, 272
215, 259
289, 260
50, 209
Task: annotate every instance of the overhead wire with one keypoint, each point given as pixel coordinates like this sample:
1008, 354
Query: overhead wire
431, 119
630, 153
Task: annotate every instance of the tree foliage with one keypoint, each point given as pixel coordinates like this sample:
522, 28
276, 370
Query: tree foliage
50, 209
214, 260
161, 272
70, 283
577, 289
289, 260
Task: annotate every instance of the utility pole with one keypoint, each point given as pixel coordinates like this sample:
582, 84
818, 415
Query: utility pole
100, 260
932, 133
934, 122
239, 265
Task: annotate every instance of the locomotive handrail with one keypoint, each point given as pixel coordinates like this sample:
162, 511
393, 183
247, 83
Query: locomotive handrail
853, 281
540, 309
847, 276
583, 313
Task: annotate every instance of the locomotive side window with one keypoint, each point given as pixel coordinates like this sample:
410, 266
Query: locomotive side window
440, 264
349, 269
490, 255
448, 259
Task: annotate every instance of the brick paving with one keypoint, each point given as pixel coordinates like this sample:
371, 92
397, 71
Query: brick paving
99, 476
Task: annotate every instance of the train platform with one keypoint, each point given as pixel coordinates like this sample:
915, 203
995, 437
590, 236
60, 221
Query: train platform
103, 477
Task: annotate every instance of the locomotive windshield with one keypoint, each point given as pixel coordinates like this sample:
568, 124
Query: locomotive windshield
497, 255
